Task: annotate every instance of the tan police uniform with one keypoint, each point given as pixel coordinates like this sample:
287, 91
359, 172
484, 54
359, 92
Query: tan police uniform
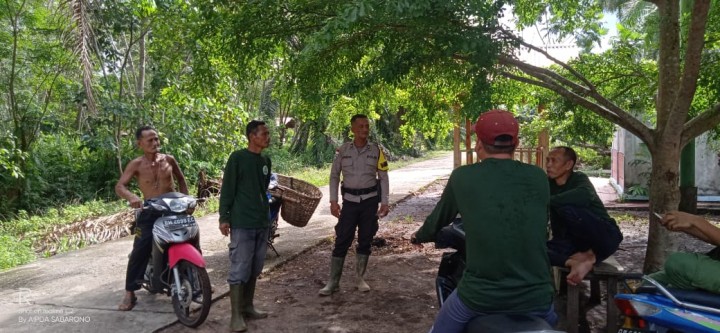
364, 185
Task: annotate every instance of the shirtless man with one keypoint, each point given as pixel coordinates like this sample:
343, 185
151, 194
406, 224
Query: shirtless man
583, 232
155, 174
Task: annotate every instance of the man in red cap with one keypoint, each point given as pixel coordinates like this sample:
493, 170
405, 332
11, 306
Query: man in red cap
503, 204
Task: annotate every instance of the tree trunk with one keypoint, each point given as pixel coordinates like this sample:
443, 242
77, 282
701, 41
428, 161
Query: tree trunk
664, 197
300, 139
142, 56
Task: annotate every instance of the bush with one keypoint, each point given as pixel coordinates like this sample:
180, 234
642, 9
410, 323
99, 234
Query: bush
14, 252
591, 159
62, 170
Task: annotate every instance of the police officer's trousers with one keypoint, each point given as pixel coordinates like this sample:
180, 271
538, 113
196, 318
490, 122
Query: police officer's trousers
356, 215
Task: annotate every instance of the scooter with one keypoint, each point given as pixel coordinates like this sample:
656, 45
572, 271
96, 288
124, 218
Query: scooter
449, 275
183, 277
653, 308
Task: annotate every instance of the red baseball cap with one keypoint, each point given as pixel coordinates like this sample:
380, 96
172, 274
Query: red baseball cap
493, 124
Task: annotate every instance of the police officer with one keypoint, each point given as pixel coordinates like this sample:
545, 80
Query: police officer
365, 185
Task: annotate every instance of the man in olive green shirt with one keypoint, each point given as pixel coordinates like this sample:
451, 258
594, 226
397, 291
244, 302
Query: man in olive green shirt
244, 215
583, 233
503, 204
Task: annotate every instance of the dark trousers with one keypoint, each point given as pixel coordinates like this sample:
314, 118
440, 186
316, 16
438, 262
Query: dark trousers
356, 215
142, 249
580, 230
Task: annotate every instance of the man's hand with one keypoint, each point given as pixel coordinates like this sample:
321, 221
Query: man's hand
135, 202
383, 211
678, 221
414, 241
335, 209
225, 229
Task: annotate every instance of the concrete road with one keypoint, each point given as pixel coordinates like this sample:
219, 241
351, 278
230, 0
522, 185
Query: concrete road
79, 291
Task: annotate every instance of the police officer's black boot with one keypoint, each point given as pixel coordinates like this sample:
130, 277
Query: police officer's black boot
237, 323
248, 309
333, 285
360, 267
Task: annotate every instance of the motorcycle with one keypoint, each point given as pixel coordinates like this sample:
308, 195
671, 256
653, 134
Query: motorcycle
450, 271
183, 276
651, 307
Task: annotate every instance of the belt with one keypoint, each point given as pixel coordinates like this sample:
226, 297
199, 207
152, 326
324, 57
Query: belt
359, 191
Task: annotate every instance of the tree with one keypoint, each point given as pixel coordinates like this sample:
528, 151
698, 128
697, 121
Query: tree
35, 80
679, 62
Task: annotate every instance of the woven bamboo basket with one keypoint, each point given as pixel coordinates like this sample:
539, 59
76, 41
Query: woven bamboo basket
299, 199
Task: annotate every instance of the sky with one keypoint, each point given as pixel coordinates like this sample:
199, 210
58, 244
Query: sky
562, 50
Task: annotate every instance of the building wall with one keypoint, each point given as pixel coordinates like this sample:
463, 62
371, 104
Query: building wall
637, 163
707, 170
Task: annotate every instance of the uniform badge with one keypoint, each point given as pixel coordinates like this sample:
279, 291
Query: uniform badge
382, 163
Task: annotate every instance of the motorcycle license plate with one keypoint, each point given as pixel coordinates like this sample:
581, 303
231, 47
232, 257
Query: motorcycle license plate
179, 222
635, 330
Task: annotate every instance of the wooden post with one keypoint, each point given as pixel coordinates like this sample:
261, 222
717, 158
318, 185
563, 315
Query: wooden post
457, 158
468, 143
543, 140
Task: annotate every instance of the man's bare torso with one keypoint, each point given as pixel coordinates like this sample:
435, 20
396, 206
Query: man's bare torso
154, 177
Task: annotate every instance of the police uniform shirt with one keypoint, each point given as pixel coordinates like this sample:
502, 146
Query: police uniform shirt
361, 168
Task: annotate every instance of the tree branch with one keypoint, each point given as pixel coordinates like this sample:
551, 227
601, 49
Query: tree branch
693, 58
602, 106
551, 58
700, 124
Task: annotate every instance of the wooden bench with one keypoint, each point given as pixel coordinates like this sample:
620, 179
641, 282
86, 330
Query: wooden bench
609, 271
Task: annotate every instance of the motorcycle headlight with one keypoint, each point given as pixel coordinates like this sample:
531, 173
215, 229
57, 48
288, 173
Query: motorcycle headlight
179, 205
158, 207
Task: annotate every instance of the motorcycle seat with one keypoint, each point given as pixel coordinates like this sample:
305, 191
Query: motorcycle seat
697, 297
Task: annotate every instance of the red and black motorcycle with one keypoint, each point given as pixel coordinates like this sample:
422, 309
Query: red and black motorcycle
183, 276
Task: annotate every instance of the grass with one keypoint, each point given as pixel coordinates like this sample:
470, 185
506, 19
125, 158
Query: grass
17, 235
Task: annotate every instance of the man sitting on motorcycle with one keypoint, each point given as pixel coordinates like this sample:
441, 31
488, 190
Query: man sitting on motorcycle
503, 204
691, 270
155, 174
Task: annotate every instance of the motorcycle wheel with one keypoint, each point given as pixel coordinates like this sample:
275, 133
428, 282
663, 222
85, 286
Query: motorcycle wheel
192, 304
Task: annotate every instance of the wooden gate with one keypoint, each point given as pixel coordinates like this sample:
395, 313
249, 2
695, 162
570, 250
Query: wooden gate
529, 155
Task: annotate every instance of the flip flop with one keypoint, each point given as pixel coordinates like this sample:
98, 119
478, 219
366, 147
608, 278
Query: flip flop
127, 306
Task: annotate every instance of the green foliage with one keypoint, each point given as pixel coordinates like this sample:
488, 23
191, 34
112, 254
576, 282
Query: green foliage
637, 191
24, 224
62, 170
591, 159
17, 234
14, 252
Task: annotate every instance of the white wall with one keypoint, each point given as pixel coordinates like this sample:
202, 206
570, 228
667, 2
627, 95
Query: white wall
707, 170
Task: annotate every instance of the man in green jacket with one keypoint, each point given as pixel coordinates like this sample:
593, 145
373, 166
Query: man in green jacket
583, 233
244, 215
692, 270
503, 204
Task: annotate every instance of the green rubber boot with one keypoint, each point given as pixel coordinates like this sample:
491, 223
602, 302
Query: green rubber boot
333, 285
360, 267
237, 323
248, 309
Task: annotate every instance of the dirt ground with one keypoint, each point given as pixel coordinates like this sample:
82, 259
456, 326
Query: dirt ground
402, 298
